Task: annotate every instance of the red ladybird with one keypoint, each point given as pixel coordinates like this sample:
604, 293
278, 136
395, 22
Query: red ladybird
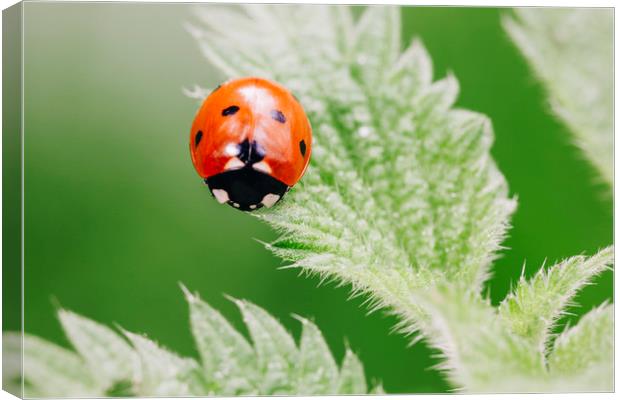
250, 141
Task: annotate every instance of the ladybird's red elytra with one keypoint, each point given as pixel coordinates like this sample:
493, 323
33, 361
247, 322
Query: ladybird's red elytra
250, 141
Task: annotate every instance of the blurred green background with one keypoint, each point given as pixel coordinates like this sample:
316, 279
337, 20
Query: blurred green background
116, 215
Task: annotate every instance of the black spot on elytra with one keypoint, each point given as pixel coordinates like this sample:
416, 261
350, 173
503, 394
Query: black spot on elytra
278, 116
230, 110
198, 138
302, 148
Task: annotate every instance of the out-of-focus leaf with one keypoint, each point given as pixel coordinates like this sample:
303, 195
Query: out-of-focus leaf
107, 354
317, 370
351, 379
571, 51
230, 365
164, 373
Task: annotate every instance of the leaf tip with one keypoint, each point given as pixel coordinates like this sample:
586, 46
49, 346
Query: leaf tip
189, 296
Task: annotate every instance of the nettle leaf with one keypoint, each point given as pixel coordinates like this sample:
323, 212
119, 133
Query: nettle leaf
275, 349
583, 356
52, 371
402, 199
229, 365
317, 369
352, 380
479, 353
504, 349
107, 354
228, 360
12, 363
164, 373
571, 51
533, 307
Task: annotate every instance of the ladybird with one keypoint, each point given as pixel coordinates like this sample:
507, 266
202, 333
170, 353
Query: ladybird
251, 142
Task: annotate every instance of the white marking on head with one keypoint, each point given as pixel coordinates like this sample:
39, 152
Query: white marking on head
231, 150
221, 195
270, 199
234, 163
263, 167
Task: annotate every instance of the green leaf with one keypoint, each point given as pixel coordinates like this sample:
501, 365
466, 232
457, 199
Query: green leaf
533, 307
583, 356
227, 358
273, 364
317, 370
376, 44
571, 51
164, 373
351, 379
108, 355
275, 349
479, 353
52, 371
377, 389
12, 363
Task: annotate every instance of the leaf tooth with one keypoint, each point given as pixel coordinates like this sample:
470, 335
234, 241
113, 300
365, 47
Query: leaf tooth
535, 304
584, 352
275, 348
440, 96
351, 378
228, 360
413, 71
107, 354
164, 373
317, 370
49, 369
